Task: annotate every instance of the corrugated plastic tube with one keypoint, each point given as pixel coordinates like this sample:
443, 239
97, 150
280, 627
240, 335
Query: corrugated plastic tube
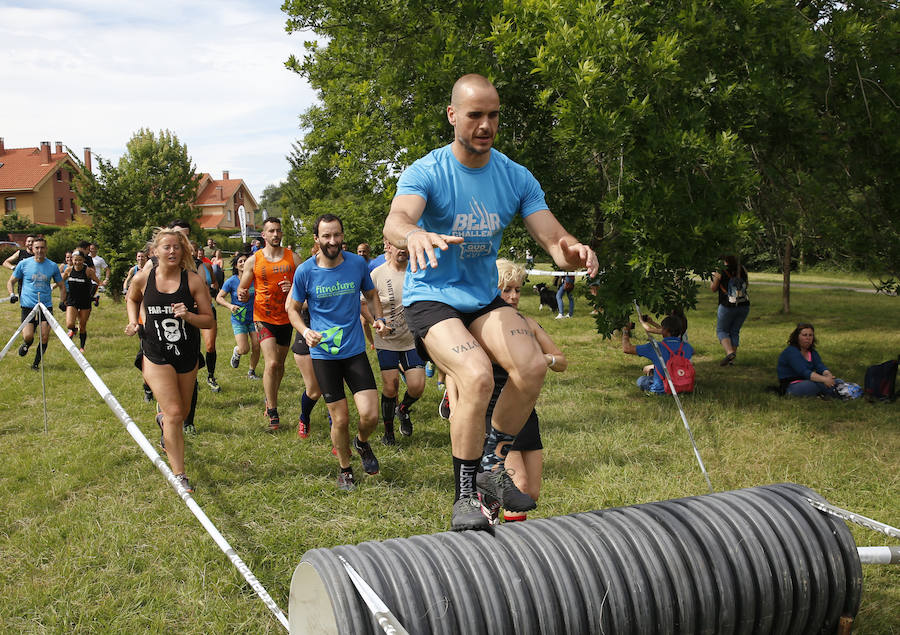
757, 560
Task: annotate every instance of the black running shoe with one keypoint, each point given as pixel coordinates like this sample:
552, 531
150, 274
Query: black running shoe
189, 428
369, 462
388, 438
498, 484
402, 413
23, 350
345, 481
185, 483
213, 384
36, 366
467, 514
444, 408
148, 395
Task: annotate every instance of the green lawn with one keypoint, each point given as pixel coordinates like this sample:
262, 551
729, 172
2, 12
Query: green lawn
93, 540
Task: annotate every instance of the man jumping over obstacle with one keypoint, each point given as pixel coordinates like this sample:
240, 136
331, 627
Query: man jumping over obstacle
449, 212
271, 270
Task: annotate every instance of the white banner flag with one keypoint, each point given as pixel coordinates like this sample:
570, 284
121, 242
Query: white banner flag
242, 215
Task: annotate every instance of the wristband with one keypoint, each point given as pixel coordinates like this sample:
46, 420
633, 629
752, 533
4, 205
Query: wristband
303, 334
379, 319
411, 232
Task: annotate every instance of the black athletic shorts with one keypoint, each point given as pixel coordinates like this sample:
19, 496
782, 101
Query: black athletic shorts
422, 315
300, 347
34, 320
281, 332
529, 437
79, 303
332, 373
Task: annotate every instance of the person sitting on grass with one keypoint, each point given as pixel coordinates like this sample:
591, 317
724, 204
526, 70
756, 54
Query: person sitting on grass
801, 372
671, 342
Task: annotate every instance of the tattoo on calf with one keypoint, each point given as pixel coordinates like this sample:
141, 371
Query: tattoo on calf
466, 346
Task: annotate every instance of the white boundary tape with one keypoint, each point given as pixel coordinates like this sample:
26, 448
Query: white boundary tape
538, 272
16, 334
154, 456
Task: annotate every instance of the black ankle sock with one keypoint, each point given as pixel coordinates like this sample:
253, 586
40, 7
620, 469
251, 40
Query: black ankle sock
38, 353
388, 405
211, 364
189, 420
464, 474
307, 405
347, 469
83, 338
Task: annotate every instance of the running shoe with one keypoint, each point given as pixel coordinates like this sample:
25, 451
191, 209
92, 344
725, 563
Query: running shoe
345, 481
185, 483
369, 462
388, 438
467, 514
96, 300
444, 407
302, 427
490, 507
70, 333
429, 369
162, 438
498, 484
148, 395
189, 428
406, 427
274, 419
251, 374
23, 349
235, 358
213, 384
729, 360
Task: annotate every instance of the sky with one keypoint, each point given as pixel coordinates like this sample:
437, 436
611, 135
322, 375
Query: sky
91, 73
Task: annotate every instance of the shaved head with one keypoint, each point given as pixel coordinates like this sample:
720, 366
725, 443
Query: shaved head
468, 84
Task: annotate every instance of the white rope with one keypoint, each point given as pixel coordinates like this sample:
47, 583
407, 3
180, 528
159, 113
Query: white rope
157, 460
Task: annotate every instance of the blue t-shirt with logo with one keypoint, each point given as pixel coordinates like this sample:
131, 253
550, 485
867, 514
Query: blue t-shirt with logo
244, 315
333, 299
476, 204
36, 279
646, 350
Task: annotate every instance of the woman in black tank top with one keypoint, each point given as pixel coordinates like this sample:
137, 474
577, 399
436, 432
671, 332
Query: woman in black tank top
80, 280
167, 305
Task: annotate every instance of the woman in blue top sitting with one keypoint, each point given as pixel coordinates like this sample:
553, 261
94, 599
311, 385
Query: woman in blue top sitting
801, 372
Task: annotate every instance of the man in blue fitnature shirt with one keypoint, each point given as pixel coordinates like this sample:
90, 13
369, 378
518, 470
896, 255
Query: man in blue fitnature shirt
330, 283
36, 274
449, 213
671, 331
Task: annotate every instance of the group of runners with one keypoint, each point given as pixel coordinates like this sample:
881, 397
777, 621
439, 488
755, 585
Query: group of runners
438, 296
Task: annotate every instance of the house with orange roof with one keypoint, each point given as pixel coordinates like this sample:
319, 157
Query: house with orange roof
38, 184
220, 199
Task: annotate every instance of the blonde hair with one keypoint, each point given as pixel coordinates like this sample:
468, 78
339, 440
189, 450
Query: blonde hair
507, 272
187, 254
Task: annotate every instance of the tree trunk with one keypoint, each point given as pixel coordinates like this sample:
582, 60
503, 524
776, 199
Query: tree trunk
786, 277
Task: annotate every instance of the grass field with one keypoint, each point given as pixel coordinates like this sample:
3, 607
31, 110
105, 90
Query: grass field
93, 540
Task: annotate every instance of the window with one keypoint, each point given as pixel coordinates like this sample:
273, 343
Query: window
59, 204
59, 175
228, 215
11, 204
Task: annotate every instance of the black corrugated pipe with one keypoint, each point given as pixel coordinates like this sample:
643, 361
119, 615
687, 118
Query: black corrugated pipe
757, 560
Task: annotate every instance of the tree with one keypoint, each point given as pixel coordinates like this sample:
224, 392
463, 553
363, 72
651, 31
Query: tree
153, 183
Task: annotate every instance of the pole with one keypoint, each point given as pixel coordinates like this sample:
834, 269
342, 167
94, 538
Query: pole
678, 403
157, 460
382, 614
862, 521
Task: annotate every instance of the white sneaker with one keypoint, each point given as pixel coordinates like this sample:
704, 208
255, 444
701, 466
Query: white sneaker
560, 316
235, 357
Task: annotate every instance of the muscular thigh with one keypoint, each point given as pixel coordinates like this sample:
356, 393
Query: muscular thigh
506, 337
455, 349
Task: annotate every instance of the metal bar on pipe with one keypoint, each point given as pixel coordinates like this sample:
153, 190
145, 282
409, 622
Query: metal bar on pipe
135, 432
860, 520
678, 403
382, 614
879, 555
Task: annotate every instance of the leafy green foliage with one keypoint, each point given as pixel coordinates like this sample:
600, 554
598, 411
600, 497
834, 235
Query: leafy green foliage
154, 183
12, 222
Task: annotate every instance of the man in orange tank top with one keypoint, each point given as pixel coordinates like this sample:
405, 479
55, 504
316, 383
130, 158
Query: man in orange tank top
271, 271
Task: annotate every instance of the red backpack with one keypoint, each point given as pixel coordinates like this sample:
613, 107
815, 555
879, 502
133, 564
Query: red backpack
680, 369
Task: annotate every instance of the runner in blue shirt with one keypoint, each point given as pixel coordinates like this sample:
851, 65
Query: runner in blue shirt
36, 274
330, 284
449, 212
245, 336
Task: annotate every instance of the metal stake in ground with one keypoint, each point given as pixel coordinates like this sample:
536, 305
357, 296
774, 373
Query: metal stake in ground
678, 403
157, 460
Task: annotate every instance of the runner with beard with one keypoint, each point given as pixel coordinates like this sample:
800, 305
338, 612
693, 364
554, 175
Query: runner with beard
330, 284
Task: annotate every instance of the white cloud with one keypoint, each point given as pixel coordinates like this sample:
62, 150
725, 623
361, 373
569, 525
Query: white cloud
212, 72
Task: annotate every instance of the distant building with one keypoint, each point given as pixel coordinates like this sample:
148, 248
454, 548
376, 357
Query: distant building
219, 201
38, 184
